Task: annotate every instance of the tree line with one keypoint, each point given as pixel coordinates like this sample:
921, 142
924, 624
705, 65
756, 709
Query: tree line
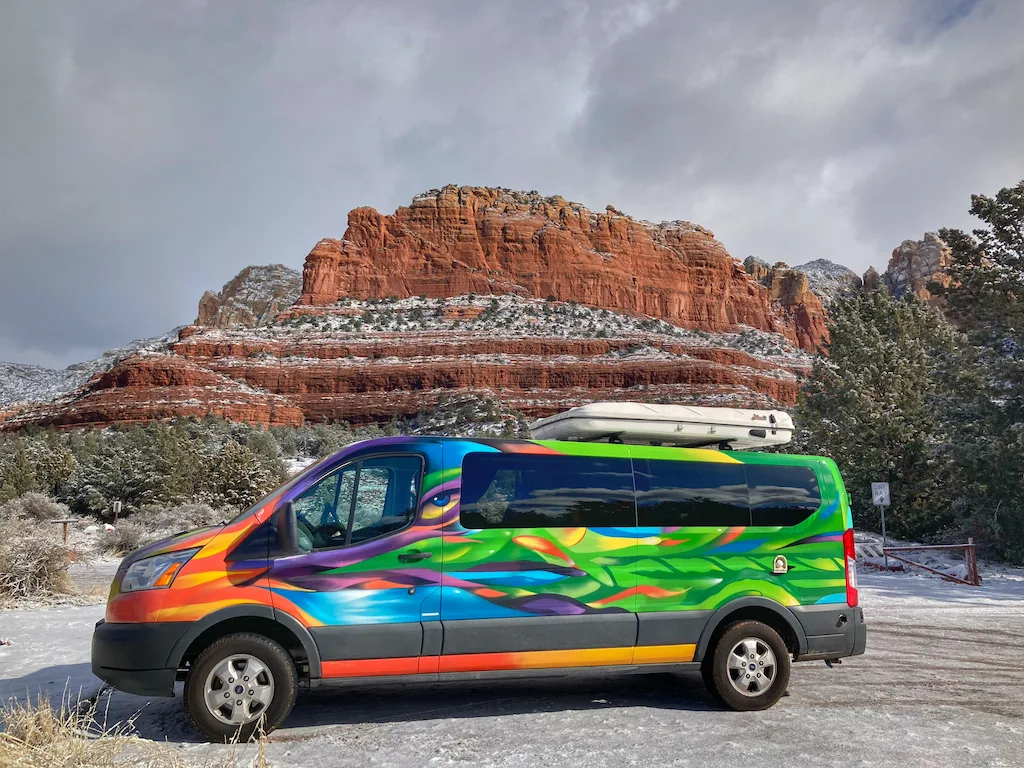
930, 396
216, 462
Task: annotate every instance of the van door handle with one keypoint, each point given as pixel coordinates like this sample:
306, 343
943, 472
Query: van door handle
413, 556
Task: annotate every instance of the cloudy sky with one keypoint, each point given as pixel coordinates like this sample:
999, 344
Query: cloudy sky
149, 150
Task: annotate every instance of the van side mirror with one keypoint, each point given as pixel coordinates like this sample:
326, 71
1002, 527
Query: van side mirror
287, 529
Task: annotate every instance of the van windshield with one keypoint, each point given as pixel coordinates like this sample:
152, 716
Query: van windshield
311, 469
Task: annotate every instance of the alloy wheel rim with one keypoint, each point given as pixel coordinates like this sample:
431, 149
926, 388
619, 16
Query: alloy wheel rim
752, 666
239, 689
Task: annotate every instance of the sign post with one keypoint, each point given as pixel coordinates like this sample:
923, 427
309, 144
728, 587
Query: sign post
880, 498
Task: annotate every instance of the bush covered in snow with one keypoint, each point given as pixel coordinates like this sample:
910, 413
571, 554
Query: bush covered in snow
210, 461
33, 562
152, 523
34, 506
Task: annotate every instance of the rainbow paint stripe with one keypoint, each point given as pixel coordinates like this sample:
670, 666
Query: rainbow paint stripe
525, 660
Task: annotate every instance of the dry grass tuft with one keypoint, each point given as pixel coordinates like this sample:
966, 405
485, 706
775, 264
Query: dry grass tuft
37, 735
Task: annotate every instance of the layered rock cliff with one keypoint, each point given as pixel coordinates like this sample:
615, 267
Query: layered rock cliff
360, 361
482, 240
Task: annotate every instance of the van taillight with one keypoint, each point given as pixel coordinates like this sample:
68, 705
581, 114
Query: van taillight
850, 559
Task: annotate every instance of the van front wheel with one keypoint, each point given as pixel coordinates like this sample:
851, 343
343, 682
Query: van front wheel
749, 668
239, 684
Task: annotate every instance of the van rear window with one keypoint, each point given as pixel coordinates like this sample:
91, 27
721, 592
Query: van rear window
782, 495
510, 490
673, 493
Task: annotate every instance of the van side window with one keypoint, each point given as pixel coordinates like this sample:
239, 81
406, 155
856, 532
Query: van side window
782, 495
360, 501
673, 493
518, 490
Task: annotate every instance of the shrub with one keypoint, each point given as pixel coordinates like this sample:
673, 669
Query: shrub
34, 506
33, 562
129, 535
181, 517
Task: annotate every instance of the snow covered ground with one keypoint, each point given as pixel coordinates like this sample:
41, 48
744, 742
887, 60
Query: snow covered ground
939, 685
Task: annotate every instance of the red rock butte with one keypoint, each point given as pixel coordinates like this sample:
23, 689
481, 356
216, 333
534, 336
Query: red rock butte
484, 240
639, 311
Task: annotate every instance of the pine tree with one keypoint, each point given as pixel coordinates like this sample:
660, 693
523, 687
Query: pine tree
985, 300
17, 474
870, 405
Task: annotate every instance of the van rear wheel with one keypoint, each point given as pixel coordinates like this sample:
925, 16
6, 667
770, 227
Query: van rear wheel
749, 667
240, 684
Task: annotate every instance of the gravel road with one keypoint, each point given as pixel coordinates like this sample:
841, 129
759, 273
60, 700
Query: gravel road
939, 685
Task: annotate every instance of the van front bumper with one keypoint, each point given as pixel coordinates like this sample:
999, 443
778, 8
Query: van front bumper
134, 657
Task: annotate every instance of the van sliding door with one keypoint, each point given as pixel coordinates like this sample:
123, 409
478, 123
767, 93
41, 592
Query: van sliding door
542, 571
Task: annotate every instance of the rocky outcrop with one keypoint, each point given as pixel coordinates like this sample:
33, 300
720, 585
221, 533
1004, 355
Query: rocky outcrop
255, 296
789, 292
916, 263
483, 240
872, 281
829, 280
913, 266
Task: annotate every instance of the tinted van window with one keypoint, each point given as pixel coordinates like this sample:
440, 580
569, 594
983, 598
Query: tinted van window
782, 495
671, 493
509, 490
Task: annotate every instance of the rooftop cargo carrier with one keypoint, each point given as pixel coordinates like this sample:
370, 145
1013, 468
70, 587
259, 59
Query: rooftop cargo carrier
682, 425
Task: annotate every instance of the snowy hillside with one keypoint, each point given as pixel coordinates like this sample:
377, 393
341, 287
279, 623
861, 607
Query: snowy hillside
511, 316
20, 383
828, 279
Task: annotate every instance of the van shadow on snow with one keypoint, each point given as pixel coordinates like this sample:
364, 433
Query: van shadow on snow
328, 705
61, 681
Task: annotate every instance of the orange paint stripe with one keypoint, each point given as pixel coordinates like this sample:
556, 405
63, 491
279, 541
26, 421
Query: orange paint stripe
663, 654
492, 662
371, 667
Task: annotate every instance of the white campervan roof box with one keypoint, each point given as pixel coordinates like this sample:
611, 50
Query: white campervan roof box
682, 425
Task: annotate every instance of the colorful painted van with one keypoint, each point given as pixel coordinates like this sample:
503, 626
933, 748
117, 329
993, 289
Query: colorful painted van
440, 558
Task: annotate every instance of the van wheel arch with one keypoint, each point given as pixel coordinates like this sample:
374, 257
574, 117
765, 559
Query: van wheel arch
774, 614
256, 619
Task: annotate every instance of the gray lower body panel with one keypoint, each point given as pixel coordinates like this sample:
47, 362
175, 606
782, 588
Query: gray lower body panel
370, 641
671, 627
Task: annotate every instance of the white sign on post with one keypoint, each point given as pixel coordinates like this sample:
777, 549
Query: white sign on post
880, 494
880, 498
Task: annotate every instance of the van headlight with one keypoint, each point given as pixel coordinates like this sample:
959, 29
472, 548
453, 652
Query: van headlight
155, 572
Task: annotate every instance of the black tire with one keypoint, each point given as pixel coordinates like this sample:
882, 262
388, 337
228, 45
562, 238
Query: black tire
725, 684
276, 660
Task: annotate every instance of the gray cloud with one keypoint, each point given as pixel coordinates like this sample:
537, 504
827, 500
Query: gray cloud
150, 150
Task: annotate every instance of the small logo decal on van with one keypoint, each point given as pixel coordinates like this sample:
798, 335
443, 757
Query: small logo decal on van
781, 566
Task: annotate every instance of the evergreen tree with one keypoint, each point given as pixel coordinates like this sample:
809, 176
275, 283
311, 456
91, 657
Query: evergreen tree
242, 476
870, 405
17, 475
985, 299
